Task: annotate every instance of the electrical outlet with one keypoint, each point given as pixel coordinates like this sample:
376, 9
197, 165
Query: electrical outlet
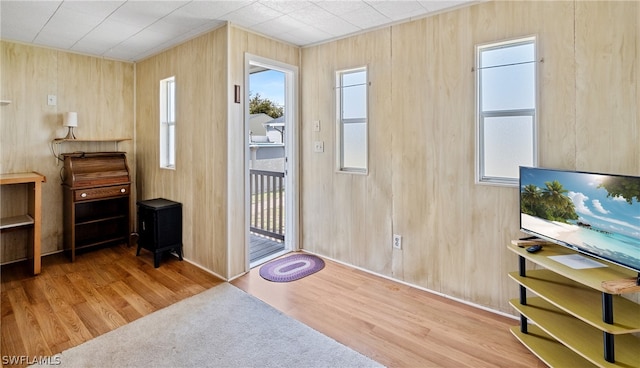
397, 241
318, 146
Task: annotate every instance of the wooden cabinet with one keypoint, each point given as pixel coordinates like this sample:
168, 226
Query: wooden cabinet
33, 218
578, 320
96, 200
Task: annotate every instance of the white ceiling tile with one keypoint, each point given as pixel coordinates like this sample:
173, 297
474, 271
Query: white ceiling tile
206, 9
297, 39
68, 24
437, 5
293, 39
287, 6
96, 9
121, 54
22, 20
106, 36
208, 26
176, 25
283, 24
340, 7
323, 20
140, 42
55, 42
366, 17
252, 14
91, 48
133, 29
309, 35
144, 12
398, 10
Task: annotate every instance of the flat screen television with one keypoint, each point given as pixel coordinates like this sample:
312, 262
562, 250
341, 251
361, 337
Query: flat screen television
593, 213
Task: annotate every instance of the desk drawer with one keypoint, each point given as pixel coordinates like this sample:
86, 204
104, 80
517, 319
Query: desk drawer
103, 192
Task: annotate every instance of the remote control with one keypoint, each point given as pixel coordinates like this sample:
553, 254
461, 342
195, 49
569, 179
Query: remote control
534, 248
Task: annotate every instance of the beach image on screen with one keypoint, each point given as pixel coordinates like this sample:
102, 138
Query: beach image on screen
593, 213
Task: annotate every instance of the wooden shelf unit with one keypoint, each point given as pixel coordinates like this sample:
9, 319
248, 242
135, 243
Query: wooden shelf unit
33, 219
577, 319
117, 140
56, 143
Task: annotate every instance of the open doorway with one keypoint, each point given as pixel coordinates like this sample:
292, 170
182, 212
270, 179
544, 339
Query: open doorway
271, 194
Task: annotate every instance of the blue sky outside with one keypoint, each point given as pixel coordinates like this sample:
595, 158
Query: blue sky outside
269, 84
591, 203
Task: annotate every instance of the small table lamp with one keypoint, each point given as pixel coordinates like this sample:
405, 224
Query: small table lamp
71, 121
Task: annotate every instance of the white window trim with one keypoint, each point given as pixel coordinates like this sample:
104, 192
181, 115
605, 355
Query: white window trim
480, 178
165, 126
339, 123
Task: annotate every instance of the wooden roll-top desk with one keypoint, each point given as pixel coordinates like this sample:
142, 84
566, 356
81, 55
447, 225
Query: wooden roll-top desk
96, 200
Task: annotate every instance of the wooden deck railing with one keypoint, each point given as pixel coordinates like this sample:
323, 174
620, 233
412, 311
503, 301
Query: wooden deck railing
267, 203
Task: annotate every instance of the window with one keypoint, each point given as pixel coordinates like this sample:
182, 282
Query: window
352, 120
506, 116
168, 123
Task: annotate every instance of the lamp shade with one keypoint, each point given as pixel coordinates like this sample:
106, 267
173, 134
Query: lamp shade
70, 119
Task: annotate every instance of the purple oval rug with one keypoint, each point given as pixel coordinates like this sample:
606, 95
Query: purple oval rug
291, 268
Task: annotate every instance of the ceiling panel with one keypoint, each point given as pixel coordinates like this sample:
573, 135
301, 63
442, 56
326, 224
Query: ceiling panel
252, 14
144, 12
135, 29
324, 20
394, 12
21, 21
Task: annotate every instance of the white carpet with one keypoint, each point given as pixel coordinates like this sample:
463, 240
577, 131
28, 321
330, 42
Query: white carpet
221, 327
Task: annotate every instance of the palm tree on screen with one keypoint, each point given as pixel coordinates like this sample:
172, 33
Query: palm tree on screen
530, 197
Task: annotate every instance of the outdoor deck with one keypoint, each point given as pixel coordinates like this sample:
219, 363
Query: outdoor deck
262, 246
266, 214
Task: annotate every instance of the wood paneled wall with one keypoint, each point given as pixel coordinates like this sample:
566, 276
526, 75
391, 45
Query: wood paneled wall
242, 42
100, 90
199, 180
422, 138
208, 179
421, 135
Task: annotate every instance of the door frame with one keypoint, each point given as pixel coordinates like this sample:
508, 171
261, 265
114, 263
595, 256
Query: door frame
292, 144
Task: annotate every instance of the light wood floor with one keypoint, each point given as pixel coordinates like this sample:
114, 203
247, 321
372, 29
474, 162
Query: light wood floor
70, 303
394, 324
398, 326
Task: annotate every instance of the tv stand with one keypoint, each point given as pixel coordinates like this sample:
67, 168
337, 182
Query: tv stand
580, 320
623, 286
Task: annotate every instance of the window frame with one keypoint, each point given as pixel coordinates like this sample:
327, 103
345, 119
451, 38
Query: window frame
480, 176
340, 122
167, 139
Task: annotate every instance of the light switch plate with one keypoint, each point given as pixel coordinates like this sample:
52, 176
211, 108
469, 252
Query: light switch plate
318, 146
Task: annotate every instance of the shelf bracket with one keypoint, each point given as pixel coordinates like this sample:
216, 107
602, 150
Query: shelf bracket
609, 348
522, 269
607, 317
607, 308
523, 324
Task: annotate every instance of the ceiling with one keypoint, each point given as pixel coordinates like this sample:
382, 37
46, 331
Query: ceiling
135, 29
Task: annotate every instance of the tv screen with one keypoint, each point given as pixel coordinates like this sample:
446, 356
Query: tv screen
596, 214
